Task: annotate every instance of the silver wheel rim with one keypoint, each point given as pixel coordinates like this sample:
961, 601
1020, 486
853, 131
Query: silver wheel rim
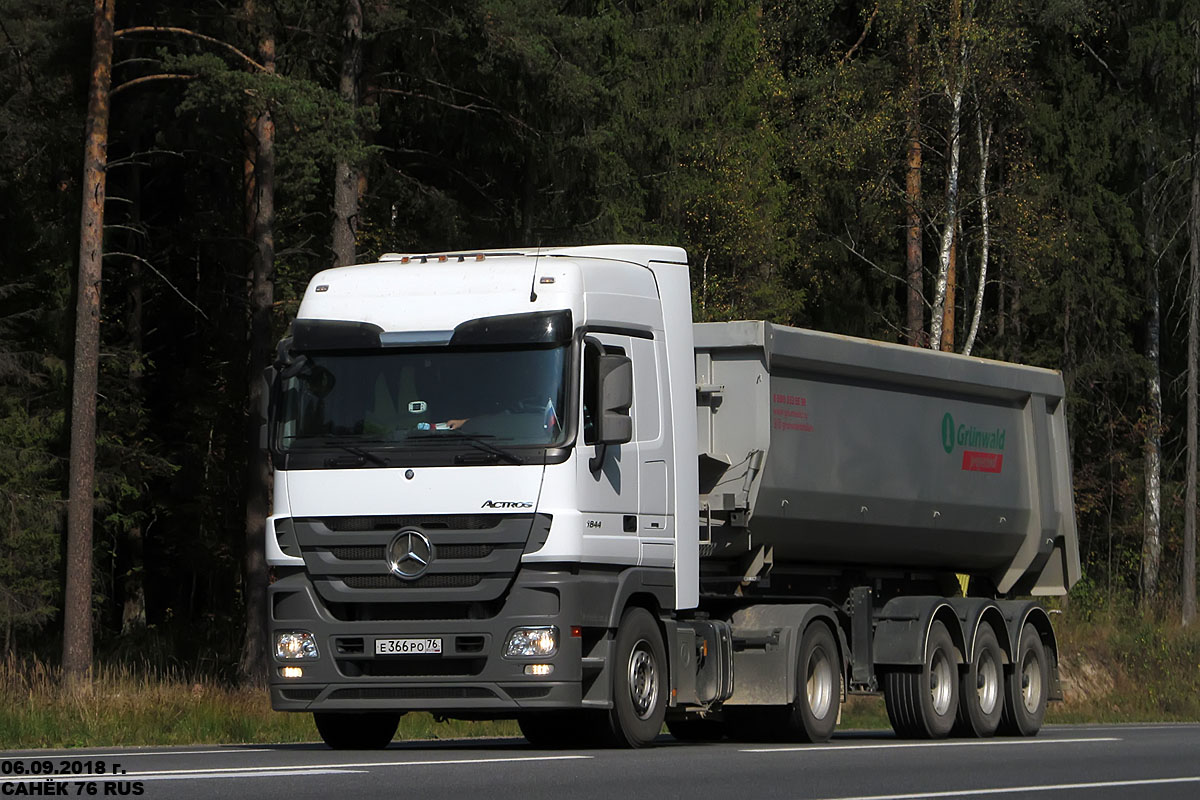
988, 684
820, 683
1031, 683
941, 674
643, 680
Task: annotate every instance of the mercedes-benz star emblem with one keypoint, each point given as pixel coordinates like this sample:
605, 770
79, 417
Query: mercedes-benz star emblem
409, 555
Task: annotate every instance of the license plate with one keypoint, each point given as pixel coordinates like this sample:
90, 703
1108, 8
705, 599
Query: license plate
408, 647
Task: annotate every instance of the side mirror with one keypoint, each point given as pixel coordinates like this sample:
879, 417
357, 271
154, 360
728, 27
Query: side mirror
614, 381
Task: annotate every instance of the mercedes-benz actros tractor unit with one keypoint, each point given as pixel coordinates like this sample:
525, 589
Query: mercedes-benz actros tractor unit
523, 484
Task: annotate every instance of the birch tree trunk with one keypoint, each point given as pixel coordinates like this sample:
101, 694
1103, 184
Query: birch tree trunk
77, 603
1152, 446
914, 252
955, 73
985, 150
253, 664
346, 175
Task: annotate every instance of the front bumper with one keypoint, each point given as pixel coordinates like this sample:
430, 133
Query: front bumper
471, 674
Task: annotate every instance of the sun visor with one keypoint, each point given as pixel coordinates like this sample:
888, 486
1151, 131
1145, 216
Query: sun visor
552, 327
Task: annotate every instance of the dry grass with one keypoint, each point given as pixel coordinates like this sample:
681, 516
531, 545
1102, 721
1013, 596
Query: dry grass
127, 706
1137, 671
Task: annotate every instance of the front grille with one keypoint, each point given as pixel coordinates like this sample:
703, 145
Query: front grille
412, 612
300, 695
366, 552
371, 552
527, 692
447, 581
413, 693
469, 522
474, 558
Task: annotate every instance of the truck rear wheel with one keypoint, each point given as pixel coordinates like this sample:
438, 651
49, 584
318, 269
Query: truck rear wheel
639, 689
1027, 685
812, 716
922, 702
357, 731
981, 692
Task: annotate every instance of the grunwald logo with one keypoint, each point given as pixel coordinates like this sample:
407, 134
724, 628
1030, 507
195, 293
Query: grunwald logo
965, 436
505, 504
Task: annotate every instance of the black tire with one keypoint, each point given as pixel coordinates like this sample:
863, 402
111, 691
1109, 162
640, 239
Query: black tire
981, 690
696, 729
922, 702
639, 688
371, 730
1026, 687
812, 716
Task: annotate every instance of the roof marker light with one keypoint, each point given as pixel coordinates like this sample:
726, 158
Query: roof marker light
479, 257
441, 259
545, 281
405, 260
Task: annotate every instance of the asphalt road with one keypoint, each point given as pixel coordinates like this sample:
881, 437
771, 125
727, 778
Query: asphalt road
1096, 762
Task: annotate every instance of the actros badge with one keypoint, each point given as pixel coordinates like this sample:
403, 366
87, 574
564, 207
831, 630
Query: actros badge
409, 555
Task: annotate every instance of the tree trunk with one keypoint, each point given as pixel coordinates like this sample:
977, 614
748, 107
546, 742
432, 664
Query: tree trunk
1189, 512
253, 667
346, 176
77, 604
955, 75
1152, 446
131, 549
985, 150
948, 304
914, 255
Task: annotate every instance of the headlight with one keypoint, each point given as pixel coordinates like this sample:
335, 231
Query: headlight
295, 645
527, 642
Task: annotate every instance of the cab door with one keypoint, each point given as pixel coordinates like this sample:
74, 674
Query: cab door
608, 497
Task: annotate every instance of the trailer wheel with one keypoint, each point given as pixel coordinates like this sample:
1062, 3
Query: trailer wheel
922, 702
981, 691
1027, 685
812, 716
357, 731
639, 680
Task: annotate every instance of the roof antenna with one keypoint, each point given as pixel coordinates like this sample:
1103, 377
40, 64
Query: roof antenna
533, 278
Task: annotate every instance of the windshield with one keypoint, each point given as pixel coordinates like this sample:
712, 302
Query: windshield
486, 400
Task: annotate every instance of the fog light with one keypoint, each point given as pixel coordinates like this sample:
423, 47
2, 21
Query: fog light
292, 672
295, 645
537, 642
539, 669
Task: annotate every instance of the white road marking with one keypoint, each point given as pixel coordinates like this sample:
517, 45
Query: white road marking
74, 755
1052, 787
276, 771
826, 748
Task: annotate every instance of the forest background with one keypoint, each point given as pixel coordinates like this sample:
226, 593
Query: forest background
1014, 180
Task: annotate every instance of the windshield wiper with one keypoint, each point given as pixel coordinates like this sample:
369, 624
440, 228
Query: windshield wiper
477, 440
364, 455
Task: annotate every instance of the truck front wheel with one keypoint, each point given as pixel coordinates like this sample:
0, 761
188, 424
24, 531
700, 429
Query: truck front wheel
812, 716
922, 702
1028, 682
639, 680
357, 731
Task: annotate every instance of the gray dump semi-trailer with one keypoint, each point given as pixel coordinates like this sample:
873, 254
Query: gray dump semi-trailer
523, 484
